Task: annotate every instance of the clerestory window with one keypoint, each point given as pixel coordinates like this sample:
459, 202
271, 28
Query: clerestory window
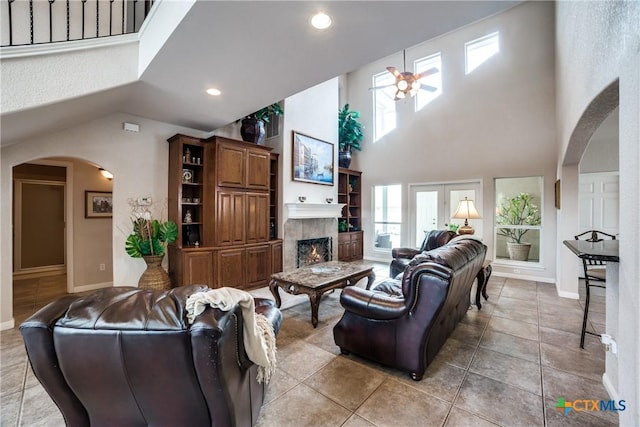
421, 65
479, 50
384, 107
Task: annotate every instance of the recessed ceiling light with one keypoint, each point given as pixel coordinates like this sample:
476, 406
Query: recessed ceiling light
321, 21
213, 91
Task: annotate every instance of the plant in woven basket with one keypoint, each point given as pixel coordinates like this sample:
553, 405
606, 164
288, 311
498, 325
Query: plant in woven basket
517, 210
150, 237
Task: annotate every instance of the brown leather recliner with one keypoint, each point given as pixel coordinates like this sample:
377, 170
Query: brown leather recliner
403, 324
402, 256
126, 356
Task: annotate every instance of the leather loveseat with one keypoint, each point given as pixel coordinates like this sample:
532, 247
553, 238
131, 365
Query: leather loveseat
404, 323
402, 256
127, 357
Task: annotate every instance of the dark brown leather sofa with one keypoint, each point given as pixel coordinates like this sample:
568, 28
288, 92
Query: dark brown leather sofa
127, 357
404, 323
402, 256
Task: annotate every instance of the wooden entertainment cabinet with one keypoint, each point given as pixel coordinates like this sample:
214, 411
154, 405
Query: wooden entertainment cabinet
223, 196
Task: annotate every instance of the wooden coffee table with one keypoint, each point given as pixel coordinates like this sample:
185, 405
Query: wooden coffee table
316, 279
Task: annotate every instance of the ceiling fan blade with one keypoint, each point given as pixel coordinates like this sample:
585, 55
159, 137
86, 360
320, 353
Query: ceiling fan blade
393, 71
382, 87
428, 88
428, 72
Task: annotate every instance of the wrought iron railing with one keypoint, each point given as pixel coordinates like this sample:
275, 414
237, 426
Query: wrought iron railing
26, 22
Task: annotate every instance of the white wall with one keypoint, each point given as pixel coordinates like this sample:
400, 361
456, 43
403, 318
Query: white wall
139, 162
498, 121
313, 112
597, 45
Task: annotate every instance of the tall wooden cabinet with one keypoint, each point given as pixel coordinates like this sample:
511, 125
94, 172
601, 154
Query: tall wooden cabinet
350, 242
221, 195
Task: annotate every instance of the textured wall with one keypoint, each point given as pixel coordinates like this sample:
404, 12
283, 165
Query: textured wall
598, 61
27, 81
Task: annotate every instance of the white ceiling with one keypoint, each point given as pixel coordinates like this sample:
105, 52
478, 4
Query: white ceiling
257, 53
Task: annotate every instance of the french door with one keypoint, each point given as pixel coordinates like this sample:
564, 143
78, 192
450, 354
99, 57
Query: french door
431, 206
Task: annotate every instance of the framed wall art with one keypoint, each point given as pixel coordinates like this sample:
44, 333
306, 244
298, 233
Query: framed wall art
98, 204
312, 159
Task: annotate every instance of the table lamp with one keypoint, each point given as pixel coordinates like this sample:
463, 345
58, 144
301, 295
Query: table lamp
466, 210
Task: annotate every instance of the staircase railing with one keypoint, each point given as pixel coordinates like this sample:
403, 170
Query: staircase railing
26, 22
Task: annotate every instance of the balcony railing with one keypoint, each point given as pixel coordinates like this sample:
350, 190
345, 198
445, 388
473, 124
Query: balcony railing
26, 22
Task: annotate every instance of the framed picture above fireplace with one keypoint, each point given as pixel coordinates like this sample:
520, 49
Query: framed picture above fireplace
312, 159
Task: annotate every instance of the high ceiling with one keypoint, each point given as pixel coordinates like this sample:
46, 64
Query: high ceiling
256, 53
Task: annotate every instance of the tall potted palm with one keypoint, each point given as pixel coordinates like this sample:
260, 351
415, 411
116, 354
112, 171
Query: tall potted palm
252, 128
350, 135
517, 210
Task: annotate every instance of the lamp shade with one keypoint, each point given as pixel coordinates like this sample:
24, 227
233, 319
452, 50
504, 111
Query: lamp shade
466, 210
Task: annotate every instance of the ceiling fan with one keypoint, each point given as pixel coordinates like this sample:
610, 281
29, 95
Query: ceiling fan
408, 83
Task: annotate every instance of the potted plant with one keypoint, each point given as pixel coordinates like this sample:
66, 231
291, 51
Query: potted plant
252, 128
149, 241
517, 210
350, 135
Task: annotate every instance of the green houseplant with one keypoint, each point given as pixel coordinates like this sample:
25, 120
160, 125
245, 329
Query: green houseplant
517, 210
350, 135
149, 241
252, 127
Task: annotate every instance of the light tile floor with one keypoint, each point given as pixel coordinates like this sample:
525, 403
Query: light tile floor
504, 365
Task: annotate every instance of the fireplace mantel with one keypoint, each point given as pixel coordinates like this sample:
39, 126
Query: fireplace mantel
314, 210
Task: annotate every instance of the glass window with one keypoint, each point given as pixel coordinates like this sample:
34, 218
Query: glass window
518, 220
387, 208
384, 107
425, 95
479, 50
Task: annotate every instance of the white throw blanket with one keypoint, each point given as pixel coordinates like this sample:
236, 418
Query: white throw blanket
259, 337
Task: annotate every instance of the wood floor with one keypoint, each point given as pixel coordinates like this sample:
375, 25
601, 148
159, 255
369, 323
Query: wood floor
31, 294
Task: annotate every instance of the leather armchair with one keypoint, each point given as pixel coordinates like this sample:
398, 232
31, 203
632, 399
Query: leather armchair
126, 356
402, 256
404, 323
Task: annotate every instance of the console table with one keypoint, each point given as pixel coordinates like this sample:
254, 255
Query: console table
316, 279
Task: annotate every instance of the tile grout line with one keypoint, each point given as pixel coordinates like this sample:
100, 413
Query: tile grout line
542, 392
468, 368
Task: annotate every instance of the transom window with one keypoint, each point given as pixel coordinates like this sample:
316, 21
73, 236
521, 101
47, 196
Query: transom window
479, 50
435, 80
384, 107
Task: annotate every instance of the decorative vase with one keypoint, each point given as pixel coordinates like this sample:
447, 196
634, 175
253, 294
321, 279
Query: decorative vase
518, 251
344, 159
154, 277
252, 130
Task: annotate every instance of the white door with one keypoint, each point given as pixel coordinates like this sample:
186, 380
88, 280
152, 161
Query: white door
433, 205
599, 200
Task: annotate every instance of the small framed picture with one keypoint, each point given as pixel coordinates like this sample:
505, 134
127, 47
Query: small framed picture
98, 204
187, 176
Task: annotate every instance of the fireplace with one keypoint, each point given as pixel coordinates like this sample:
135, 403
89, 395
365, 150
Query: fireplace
313, 251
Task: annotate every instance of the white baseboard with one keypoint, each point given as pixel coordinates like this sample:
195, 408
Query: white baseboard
92, 287
524, 277
613, 393
9, 324
571, 295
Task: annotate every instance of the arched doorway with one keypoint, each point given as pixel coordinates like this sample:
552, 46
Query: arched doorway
59, 246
